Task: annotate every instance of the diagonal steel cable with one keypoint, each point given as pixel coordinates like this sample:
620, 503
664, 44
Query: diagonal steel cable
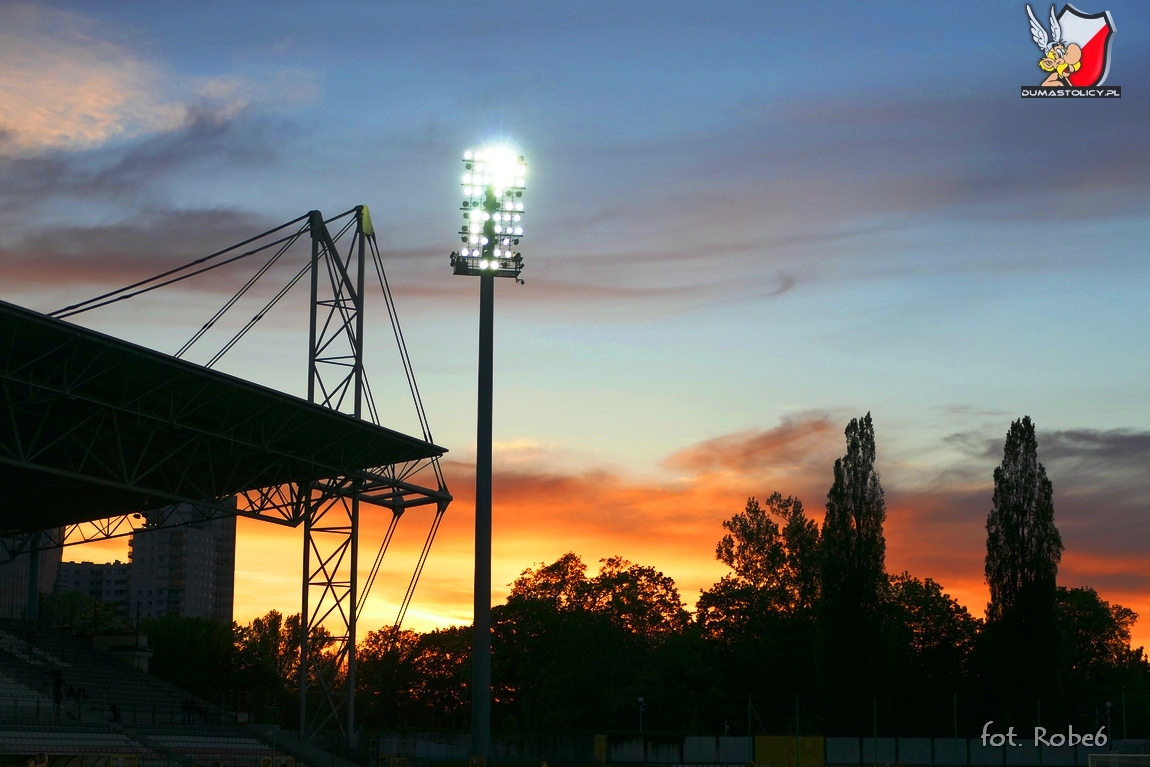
418, 572
383, 547
239, 293
397, 330
113, 296
259, 316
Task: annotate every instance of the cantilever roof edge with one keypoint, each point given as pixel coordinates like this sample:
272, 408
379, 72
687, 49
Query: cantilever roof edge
91, 408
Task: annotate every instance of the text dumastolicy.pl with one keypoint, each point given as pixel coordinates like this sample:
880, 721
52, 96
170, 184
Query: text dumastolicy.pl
1056, 739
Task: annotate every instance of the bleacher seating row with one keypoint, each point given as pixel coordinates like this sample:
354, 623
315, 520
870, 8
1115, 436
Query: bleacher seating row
202, 749
53, 742
104, 678
13, 690
212, 745
89, 760
37, 657
152, 724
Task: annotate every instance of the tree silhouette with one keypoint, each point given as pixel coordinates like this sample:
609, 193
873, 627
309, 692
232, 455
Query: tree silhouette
387, 689
1023, 547
853, 657
1095, 641
637, 598
758, 621
783, 563
937, 633
934, 638
1023, 551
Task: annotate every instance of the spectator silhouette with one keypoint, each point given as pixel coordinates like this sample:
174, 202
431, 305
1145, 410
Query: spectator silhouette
57, 692
188, 707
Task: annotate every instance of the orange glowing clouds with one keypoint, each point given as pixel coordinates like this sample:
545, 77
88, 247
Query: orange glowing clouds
545, 505
788, 446
542, 511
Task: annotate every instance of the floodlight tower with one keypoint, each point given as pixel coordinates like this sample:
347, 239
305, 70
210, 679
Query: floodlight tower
493, 182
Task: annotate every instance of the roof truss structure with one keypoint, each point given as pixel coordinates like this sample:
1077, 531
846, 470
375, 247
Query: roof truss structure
93, 427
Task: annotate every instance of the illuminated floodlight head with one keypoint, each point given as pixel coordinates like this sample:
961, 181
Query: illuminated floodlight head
493, 181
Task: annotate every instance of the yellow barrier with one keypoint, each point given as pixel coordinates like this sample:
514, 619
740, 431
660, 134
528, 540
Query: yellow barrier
779, 751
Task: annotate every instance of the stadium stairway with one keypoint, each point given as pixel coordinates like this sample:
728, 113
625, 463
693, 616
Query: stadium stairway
286, 742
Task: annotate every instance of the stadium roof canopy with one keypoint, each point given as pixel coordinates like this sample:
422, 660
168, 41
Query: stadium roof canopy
92, 426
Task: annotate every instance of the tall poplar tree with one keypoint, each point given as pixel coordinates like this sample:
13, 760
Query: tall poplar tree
852, 653
1023, 551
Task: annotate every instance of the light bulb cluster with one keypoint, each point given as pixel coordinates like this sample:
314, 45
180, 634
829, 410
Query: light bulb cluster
493, 183
495, 167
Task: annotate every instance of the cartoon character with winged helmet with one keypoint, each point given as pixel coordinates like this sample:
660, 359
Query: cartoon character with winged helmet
1060, 59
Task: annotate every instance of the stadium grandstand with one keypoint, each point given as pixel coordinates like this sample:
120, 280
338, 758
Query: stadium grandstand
102, 438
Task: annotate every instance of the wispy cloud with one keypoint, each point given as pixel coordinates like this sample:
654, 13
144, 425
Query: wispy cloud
1118, 448
791, 444
842, 190
141, 231
129, 176
65, 85
67, 82
121, 253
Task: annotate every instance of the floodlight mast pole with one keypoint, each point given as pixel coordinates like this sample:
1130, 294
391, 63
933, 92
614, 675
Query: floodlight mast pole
493, 186
481, 640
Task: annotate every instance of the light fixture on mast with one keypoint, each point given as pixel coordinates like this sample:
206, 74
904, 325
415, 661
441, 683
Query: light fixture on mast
493, 182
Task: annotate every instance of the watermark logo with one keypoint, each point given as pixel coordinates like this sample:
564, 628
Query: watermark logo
1075, 54
1042, 738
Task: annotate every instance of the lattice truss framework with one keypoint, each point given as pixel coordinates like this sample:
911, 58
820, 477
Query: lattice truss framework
206, 429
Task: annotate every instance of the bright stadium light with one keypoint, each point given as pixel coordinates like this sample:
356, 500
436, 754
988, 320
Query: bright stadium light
493, 181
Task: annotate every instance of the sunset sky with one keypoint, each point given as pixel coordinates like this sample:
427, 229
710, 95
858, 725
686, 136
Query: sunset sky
746, 223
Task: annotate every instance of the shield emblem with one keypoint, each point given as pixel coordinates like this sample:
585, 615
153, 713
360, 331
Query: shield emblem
1093, 33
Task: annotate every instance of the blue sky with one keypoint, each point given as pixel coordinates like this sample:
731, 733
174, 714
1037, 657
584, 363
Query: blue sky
745, 219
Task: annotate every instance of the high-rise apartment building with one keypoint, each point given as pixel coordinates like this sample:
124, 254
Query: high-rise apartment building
107, 583
188, 570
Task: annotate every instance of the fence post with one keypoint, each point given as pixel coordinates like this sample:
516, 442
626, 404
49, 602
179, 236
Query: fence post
874, 743
954, 744
798, 759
